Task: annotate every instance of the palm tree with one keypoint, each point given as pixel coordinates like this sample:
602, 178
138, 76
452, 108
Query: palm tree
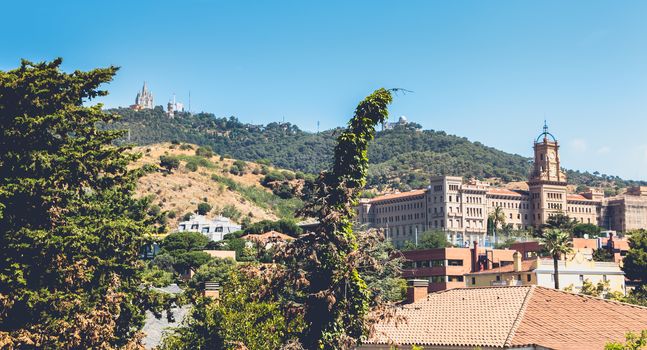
557, 243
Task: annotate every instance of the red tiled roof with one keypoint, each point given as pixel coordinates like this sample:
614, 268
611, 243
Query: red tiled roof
504, 192
526, 265
511, 317
576, 197
397, 195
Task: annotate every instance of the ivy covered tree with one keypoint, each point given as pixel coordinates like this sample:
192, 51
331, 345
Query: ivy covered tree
70, 229
323, 266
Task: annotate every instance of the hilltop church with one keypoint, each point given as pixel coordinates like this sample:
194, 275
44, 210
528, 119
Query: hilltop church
144, 99
461, 208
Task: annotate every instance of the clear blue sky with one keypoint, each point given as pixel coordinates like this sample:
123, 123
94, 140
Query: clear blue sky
487, 70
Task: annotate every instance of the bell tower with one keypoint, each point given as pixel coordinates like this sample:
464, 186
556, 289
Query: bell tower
547, 181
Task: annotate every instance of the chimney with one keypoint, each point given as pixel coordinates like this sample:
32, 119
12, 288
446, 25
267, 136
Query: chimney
475, 257
211, 290
417, 290
610, 242
517, 261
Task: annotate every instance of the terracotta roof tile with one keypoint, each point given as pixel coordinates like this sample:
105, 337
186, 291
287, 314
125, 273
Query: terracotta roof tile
576, 197
505, 192
457, 317
397, 195
511, 317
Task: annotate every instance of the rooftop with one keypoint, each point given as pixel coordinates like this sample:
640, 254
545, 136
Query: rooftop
503, 317
397, 195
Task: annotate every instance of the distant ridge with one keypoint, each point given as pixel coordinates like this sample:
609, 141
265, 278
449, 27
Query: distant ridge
402, 158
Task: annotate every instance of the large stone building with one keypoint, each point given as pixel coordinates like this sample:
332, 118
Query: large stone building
461, 208
144, 99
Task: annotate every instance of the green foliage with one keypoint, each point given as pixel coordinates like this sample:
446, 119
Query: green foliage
283, 208
204, 151
596, 290
382, 268
243, 317
273, 176
169, 163
579, 230
230, 211
157, 277
190, 260
216, 270
191, 166
70, 229
163, 261
635, 262
204, 208
429, 240
633, 342
288, 227
179, 242
602, 254
560, 221
335, 297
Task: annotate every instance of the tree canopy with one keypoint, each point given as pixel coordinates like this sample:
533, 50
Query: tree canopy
70, 229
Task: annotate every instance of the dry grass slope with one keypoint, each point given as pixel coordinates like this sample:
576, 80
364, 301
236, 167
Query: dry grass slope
182, 190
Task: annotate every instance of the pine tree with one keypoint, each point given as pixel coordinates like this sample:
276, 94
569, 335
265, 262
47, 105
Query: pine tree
70, 229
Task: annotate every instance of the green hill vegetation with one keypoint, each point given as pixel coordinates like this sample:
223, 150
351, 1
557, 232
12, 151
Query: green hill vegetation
402, 158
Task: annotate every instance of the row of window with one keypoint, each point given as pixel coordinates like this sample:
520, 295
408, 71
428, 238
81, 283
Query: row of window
397, 207
575, 209
432, 263
508, 205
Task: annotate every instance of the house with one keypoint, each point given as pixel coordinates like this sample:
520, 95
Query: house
511, 317
215, 229
445, 268
573, 272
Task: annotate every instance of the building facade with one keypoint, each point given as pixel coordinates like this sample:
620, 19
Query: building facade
214, 229
461, 208
573, 272
445, 268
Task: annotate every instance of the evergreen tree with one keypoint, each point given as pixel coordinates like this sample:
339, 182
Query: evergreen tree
70, 229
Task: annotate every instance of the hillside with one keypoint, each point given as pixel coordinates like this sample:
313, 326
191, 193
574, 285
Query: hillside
402, 158
240, 197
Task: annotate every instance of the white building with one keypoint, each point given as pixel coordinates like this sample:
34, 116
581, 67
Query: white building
215, 229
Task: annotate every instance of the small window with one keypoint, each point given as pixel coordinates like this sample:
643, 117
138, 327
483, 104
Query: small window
519, 277
423, 263
581, 278
437, 263
437, 279
604, 278
455, 278
194, 226
205, 229
529, 277
498, 278
454, 262
473, 280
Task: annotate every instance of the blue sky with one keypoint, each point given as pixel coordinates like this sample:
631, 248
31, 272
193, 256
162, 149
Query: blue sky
487, 70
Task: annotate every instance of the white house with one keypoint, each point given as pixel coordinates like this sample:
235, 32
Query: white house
215, 229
